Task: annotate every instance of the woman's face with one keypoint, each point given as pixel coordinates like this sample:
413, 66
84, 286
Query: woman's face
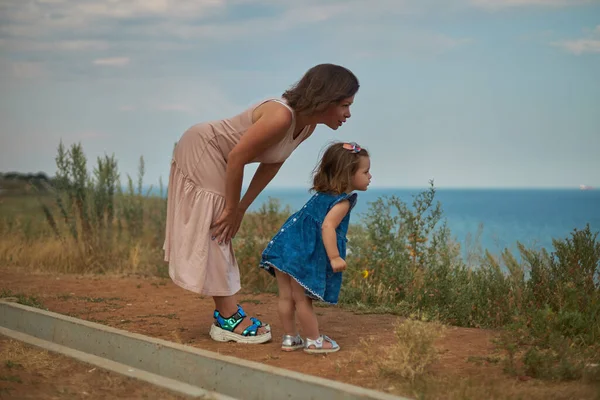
337, 113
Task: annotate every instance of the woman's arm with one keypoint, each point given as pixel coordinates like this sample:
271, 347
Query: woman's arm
263, 175
270, 127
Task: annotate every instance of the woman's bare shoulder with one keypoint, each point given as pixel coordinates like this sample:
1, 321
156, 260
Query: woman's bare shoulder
273, 111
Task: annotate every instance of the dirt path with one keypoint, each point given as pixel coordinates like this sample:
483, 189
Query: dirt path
468, 366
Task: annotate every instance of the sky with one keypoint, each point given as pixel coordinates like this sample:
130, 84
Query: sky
469, 93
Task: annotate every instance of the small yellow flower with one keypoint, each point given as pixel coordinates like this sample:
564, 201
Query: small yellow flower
365, 274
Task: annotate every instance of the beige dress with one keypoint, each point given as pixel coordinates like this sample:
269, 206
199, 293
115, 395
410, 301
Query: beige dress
196, 197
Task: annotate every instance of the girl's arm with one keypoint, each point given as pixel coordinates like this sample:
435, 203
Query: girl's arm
330, 224
263, 175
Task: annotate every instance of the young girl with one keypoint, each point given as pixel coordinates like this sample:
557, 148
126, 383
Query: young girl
308, 253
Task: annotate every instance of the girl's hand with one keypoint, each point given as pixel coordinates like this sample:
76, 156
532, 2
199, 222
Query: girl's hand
227, 225
338, 264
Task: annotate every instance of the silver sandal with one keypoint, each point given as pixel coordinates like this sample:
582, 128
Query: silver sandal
318, 345
291, 343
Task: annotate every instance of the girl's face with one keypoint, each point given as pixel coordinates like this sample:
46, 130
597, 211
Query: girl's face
336, 114
362, 177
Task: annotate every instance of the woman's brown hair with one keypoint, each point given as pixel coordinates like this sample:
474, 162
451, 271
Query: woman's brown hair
322, 85
337, 167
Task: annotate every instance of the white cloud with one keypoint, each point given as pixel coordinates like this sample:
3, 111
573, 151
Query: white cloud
375, 42
415, 46
126, 108
201, 96
436, 43
497, 4
307, 11
579, 46
112, 62
91, 25
585, 45
142, 8
142, 28
44, 15
289, 15
79, 45
174, 107
26, 70
184, 18
27, 45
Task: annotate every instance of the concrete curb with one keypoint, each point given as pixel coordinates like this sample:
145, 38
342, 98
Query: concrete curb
205, 373
157, 380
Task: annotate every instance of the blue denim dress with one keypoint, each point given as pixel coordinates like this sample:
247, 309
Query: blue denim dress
298, 249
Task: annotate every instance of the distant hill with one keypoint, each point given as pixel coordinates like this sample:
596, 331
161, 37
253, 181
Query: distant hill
17, 182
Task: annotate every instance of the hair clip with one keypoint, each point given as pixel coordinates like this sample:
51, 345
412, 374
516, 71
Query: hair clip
353, 147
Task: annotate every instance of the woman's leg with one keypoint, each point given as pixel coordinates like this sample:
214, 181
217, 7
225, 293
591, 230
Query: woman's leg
227, 306
306, 314
286, 303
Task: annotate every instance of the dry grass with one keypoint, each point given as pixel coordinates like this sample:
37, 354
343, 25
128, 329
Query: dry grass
49, 254
403, 369
414, 350
495, 388
16, 355
65, 256
410, 355
30, 373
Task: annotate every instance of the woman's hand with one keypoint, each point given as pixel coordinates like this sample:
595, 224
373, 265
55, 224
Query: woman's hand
227, 225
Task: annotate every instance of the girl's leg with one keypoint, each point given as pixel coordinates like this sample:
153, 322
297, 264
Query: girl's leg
286, 303
227, 306
306, 314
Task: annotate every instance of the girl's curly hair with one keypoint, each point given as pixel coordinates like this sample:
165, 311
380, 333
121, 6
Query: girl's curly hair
336, 169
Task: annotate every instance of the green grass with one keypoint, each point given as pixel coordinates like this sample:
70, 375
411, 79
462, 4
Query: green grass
11, 364
26, 300
11, 378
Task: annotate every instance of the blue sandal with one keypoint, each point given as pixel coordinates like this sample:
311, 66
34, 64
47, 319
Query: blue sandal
255, 320
223, 329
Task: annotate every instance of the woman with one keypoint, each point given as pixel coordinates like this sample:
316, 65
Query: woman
204, 209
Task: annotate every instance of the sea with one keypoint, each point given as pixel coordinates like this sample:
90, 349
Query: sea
492, 219
482, 219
